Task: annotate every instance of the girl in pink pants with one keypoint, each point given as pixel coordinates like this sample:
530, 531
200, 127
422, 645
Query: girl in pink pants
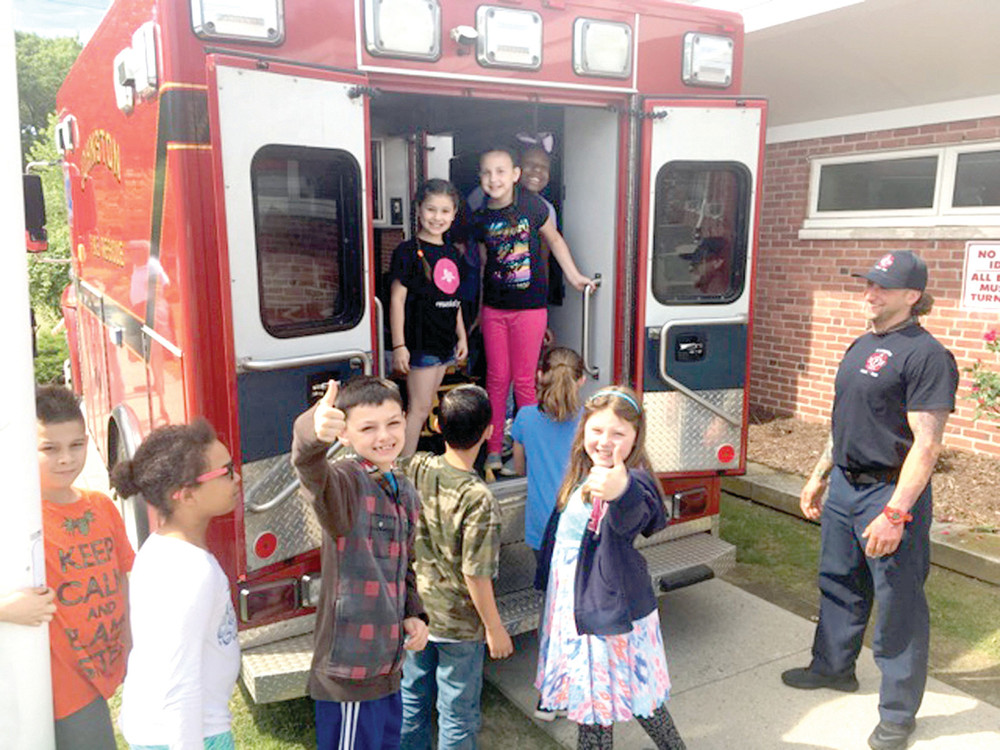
509, 229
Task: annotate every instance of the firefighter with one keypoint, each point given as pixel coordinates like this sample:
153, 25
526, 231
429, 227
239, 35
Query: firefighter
893, 392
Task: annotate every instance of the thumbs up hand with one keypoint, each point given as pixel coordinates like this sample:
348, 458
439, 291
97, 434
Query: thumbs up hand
608, 482
329, 421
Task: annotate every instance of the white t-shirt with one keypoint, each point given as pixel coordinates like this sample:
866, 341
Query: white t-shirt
185, 657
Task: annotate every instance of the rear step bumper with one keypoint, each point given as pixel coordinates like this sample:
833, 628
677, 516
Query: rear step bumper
280, 670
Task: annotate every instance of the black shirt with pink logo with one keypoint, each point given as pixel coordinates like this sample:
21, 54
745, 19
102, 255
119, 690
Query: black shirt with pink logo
881, 378
431, 303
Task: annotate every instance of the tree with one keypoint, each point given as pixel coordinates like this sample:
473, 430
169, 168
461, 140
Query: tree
47, 279
42, 65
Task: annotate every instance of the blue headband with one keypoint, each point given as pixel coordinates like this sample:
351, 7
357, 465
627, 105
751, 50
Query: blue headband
620, 394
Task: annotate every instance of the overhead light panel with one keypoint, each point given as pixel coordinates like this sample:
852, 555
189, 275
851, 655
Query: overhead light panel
403, 28
260, 21
602, 48
509, 38
708, 60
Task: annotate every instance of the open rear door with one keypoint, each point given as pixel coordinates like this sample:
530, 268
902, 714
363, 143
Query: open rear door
698, 228
292, 171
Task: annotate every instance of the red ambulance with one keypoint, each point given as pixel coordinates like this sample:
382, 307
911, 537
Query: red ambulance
238, 174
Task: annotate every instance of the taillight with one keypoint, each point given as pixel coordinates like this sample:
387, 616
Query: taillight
268, 600
690, 502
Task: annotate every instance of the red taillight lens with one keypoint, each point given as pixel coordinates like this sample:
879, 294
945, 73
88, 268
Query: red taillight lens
266, 600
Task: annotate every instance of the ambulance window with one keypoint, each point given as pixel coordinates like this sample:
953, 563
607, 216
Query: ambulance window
307, 217
700, 232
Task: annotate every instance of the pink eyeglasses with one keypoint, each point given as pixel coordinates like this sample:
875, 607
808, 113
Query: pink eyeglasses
215, 473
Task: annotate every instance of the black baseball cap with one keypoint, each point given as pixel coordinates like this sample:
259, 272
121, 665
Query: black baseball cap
707, 247
901, 269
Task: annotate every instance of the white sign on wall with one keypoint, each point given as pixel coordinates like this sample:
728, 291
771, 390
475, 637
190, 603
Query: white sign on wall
981, 280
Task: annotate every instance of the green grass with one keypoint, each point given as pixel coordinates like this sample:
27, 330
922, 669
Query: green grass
777, 557
289, 725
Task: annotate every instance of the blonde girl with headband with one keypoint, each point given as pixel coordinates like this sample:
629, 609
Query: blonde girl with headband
600, 655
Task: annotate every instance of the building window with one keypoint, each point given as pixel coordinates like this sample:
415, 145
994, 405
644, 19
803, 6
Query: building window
977, 179
307, 217
882, 185
932, 187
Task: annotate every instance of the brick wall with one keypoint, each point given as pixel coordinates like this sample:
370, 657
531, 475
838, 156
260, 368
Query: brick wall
808, 306
299, 269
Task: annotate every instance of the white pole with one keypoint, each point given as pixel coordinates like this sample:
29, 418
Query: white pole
25, 679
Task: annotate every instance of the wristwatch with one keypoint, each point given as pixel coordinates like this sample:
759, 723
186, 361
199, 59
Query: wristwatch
896, 517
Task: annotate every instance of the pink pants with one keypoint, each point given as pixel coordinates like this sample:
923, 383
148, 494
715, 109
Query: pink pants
513, 342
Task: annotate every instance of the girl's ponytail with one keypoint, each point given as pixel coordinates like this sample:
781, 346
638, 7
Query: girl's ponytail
558, 390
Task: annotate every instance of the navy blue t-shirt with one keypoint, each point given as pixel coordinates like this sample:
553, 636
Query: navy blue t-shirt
514, 276
880, 379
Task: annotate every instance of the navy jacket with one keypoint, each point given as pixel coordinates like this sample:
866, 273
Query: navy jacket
613, 588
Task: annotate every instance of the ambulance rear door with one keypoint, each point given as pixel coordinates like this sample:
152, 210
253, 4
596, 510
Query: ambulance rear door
292, 155
699, 202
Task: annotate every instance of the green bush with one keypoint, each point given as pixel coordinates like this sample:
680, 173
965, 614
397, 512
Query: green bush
51, 351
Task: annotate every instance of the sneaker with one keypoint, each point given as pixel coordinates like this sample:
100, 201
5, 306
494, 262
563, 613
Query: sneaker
507, 470
547, 714
493, 462
890, 736
806, 679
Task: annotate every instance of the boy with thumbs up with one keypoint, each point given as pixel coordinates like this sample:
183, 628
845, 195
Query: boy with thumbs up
369, 611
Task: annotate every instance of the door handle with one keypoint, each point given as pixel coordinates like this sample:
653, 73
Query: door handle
593, 370
379, 343
693, 395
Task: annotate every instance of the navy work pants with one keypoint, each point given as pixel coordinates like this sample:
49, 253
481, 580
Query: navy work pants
849, 582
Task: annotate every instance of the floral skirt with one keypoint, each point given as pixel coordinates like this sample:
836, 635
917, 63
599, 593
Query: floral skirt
596, 679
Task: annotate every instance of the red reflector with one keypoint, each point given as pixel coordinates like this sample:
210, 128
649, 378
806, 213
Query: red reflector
265, 545
726, 453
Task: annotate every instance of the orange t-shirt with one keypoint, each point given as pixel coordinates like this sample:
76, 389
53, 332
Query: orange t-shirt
87, 555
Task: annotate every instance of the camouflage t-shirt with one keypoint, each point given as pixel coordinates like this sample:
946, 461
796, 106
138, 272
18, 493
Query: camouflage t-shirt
458, 534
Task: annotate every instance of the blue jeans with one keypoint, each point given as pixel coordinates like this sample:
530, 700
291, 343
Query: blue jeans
454, 671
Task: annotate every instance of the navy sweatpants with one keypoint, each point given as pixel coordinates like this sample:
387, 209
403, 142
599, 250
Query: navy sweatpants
849, 582
359, 725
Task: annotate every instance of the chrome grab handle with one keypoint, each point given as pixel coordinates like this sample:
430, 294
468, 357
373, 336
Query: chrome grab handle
593, 370
282, 496
270, 365
664, 334
379, 342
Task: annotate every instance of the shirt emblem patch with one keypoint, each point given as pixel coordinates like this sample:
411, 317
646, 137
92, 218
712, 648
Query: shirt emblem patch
876, 361
446, 275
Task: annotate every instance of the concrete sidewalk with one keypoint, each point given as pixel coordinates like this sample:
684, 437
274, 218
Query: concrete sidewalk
726, 650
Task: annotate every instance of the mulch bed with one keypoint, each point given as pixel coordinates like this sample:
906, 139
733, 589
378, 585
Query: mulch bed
966, 485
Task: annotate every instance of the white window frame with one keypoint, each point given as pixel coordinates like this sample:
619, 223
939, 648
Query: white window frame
941, 220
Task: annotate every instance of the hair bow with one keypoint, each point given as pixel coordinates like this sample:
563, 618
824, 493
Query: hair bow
544, 141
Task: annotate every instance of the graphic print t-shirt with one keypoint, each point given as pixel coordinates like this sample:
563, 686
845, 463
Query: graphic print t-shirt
431, 304
87, 555
514, 277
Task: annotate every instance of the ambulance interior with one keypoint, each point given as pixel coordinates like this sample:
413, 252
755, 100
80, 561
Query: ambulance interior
583, 183
699, 214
